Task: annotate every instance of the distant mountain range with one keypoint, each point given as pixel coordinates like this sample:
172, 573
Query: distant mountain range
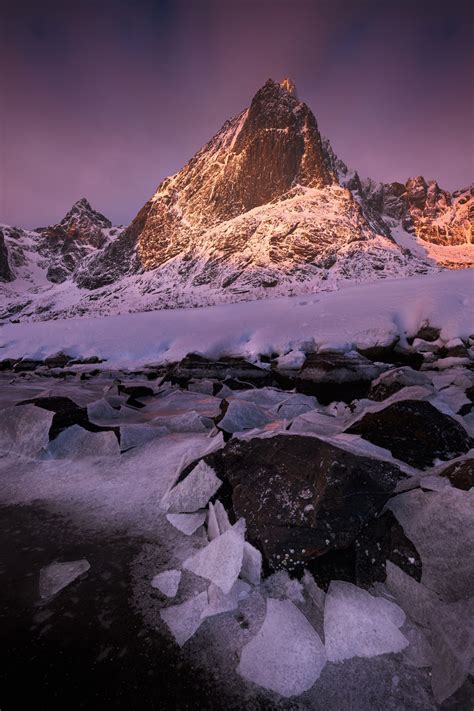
264, 209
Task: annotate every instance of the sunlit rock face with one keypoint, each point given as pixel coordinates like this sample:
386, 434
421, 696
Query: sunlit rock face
260, 206
255, 158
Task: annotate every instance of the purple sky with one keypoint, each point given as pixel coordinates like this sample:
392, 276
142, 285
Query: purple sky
103, 99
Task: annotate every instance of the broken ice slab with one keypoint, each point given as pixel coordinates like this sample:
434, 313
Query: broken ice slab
185, 619
412, 596
134, 435
217, 520
167, 582
56, 576
241, 415
220, 602
286, 655
251, 564
187, 422
193, 492
77, 443
439, 524
452, 639
221, 560
24, 429
356, 624
187, 523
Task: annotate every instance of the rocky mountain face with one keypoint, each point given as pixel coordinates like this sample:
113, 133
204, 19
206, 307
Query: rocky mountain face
264, 208
58, 249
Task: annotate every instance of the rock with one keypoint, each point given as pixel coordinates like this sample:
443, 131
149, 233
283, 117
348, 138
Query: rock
357, 624
428, 333
5, 271
58, 360
167, 582
414, 431
460, 474
27, 365
392, 381
336, 375
286, 655
302, 497
195, 366
56, 576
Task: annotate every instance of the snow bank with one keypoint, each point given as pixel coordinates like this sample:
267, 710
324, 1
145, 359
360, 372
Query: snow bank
361, 315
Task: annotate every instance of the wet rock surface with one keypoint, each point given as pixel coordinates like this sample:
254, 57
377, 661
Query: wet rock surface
415, 432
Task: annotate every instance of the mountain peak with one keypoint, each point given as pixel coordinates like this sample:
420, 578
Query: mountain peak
82, 214
289, 86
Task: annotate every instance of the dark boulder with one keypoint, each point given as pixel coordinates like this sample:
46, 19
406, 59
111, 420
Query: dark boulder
301, 497
415, 432
333, 375
460, 474
228, 369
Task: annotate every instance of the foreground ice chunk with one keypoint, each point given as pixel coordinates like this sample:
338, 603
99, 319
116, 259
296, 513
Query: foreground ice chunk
24, 429
185, 619
452, 638
194, 492
77, 443
56, 576
217, 520
251, 564
414, 597
186, 422
221, 560
187, 523
286, 655
220, 602
167, 582
356, 624
439, 524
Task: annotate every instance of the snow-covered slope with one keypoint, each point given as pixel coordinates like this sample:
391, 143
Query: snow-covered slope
264, 209
360, 316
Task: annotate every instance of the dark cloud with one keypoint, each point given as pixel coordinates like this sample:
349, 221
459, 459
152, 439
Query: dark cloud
103, 99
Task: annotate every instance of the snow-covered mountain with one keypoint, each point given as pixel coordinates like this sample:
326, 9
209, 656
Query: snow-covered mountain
265, 208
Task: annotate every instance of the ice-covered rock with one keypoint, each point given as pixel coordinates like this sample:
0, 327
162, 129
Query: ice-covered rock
186, 422
78, 443
24, 429
57, 576
452, 638
251, 564
185, 619
221, 602
357, 624
134, 435
167, 582
221, 560
242, 415
193, 492
286, 655
187, 523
